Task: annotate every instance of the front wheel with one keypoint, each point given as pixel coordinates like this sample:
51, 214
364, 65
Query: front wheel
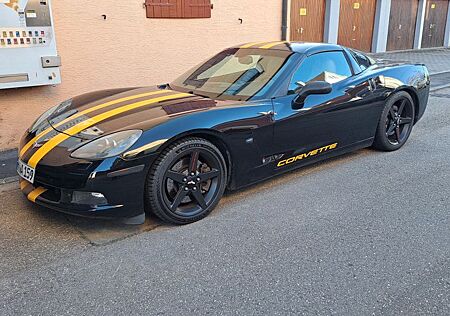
186, 182
396, 122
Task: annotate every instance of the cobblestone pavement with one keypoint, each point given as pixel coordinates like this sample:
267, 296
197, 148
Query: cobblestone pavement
437, 59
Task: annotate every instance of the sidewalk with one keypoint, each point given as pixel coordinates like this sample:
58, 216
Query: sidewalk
437, 60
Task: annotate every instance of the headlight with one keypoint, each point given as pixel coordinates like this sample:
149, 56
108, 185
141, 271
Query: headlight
108, 146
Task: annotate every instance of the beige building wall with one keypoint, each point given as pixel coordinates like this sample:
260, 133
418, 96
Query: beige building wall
127, 49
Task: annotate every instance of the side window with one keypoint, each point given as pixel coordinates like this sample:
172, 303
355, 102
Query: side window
331, 67
363, 61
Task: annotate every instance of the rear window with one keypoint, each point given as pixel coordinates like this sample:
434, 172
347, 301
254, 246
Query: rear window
363, 61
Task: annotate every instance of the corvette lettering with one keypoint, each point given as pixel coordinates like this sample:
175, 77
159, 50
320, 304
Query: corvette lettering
309, 154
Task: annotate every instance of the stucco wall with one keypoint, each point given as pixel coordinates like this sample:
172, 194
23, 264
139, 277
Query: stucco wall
129, 50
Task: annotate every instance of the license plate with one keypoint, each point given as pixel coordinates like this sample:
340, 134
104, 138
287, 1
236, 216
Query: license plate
25, 171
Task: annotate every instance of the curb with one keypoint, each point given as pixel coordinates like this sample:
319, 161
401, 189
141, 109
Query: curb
9, 180
9, 184
440, 87
439, 72
8, 153
8, 161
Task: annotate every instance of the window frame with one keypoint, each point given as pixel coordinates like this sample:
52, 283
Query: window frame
352, 52
306, 56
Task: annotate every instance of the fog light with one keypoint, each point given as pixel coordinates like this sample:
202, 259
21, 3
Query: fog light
89, 198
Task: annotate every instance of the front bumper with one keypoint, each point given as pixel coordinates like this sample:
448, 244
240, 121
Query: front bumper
111, 189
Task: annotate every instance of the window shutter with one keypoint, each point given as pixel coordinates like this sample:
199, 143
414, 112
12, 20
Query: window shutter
178, 9
164, 8
197, 8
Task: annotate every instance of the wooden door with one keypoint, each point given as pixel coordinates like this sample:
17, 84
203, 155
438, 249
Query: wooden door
356, 19
307, 20
402, 24
434, 26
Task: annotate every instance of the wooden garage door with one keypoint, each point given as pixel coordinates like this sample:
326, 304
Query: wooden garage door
402, 24
356, 19
307, 20
434, 26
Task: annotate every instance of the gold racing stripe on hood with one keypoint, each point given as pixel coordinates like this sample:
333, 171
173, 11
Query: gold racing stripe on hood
59, 138
81, 113
273, 44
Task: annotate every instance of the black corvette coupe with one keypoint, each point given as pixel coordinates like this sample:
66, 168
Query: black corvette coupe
246, 114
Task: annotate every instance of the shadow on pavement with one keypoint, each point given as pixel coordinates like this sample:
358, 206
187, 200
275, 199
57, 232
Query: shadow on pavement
102, 232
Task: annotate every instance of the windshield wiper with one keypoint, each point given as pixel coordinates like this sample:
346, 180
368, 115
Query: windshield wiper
198, 94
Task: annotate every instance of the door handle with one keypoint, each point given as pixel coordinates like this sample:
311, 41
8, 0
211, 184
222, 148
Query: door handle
302, 109
268, 113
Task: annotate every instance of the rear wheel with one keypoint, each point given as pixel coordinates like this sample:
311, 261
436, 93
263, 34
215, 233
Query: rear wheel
186, 182
396, 122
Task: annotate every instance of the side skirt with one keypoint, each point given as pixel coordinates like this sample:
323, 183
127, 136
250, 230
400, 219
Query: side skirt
337, 152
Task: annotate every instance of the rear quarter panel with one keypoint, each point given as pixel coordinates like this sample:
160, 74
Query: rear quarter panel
413, 78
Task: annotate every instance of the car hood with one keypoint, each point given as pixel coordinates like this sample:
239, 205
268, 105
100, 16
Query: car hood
102, 112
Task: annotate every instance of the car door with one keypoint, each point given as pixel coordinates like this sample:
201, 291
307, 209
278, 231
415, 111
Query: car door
327, 123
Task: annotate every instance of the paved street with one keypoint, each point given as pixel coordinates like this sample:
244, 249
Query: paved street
366, 233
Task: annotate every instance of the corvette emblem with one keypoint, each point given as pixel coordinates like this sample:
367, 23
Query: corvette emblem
40, 142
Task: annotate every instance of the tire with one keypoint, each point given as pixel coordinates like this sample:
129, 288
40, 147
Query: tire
186, 181
396, 122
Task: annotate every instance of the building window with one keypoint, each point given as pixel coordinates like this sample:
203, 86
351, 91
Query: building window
178, 9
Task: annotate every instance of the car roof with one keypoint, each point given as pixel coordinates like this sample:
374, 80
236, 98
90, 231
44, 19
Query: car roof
296, 47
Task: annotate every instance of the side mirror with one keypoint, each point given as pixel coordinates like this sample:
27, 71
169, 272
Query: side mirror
313, 87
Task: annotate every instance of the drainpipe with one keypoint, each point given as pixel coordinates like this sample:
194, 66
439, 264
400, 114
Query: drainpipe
284, 19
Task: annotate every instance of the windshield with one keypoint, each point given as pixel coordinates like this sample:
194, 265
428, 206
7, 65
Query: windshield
234, 74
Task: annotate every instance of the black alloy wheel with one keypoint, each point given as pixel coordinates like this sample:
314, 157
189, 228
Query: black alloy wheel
399, 121
187, 181
396, 122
